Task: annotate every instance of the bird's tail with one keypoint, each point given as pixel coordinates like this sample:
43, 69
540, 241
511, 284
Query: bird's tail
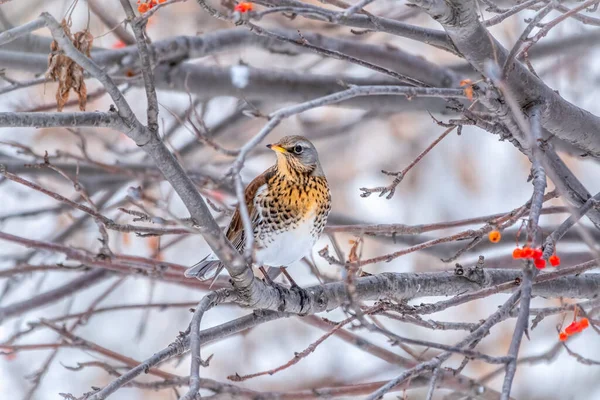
207, 268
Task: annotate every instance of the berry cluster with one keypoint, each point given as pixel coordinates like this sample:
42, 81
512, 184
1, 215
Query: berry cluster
144, 6
536, 256
244, 7
573, 328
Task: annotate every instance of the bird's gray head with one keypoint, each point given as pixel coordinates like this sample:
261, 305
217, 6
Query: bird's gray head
297, 154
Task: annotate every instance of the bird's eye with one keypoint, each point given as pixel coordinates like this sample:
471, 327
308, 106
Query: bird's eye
298, 149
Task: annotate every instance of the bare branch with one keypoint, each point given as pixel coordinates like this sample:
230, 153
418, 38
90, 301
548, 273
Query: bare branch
558, 116
51, 119
83, 282
399, 176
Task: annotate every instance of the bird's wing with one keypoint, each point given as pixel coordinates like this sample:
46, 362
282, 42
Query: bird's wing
210, 266
235, 232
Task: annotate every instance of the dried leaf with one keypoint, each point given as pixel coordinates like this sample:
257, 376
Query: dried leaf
78, 85
65, 71
353, 255
83, 42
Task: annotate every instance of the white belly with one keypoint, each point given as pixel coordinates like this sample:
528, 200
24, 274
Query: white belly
285, 248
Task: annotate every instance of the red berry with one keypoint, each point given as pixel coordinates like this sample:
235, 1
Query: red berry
527, 252
539, 263
573, 328
537, 253
517, 253
244, 7
554, 260
562, 336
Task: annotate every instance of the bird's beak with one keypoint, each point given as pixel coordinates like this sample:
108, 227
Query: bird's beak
277, 148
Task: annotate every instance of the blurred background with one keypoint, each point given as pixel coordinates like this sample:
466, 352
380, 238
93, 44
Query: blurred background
465, 176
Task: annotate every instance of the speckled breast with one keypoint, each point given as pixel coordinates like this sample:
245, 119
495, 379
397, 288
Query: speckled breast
291, 215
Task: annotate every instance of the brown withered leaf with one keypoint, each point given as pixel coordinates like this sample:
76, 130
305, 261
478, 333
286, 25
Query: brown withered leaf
59, 67
65, 71
83, 42
353, 255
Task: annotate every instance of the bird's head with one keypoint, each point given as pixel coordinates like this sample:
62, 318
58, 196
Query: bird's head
297, 154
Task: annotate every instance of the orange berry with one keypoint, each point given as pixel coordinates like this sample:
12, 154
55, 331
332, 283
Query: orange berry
494, 236
142, 8
467, 84
539, 263
162, 1
562, 336
554, 260
517, 253
584, 323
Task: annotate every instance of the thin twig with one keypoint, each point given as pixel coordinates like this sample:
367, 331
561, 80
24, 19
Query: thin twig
399, 176
555, 236
207, 302
438, 360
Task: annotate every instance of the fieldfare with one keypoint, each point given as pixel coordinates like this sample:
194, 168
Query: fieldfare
288, 205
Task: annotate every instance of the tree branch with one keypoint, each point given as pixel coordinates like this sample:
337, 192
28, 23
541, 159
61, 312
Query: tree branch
563, 119
55, 119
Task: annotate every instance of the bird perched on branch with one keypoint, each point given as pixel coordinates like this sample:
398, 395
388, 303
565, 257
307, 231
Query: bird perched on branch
288, 206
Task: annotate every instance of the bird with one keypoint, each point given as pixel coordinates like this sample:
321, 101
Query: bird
288, 206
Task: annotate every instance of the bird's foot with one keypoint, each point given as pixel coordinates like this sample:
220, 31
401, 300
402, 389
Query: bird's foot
266, 277
304, 298
288, 277
280, 289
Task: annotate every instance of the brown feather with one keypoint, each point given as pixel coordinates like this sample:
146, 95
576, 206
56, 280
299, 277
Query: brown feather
235, 232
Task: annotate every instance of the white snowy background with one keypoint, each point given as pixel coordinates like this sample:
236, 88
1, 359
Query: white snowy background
464, 176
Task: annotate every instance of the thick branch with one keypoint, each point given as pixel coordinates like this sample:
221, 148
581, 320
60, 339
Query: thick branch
563, 119
411, 285
371, 22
